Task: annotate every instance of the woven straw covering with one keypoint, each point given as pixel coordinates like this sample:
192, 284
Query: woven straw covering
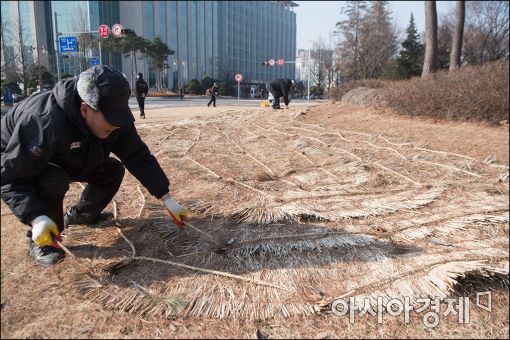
293, 216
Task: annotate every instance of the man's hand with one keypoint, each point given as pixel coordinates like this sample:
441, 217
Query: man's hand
176, 211
43, 231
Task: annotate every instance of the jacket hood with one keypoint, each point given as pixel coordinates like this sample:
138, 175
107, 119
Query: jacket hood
67, 98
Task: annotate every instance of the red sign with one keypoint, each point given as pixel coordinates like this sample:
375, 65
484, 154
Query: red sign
239, 77
104, 30
280, 61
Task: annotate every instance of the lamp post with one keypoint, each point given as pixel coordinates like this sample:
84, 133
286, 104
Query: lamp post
179, 63
308, 81
57, 48
39, 65
175, 76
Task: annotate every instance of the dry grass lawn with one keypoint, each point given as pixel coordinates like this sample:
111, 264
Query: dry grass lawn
315, 202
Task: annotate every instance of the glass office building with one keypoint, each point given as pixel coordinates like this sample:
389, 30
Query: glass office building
24, 34
35, 26
216, 38
210, 38
75, 18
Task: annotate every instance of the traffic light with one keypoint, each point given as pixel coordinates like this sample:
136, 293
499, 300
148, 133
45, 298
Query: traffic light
128, 31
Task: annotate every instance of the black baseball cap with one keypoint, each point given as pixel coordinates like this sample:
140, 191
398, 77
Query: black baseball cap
108, 91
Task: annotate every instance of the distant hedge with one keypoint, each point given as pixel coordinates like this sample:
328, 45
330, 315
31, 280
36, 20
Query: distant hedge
472, 93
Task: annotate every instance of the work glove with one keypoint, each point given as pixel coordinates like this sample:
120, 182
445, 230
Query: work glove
44, 230
176, 211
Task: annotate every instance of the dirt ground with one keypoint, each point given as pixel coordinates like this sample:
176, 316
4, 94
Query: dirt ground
321, 201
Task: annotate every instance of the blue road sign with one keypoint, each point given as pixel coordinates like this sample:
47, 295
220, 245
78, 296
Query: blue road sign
94, 61
68, 44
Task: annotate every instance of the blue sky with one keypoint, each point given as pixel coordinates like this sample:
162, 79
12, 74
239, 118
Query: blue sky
318, 18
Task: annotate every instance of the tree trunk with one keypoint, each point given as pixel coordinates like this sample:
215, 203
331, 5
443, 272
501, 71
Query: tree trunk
430, 62
158, 80
133, 71
356, 44
460, 11
136, 65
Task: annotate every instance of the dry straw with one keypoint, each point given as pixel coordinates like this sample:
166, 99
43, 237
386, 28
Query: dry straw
309, 213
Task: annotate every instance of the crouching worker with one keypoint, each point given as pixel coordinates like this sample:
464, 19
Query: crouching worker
66, 135
280, 88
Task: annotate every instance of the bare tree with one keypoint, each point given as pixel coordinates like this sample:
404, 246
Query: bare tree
322, 66
350, 30
445, 32
87, 43
22, 56
486, 31
8, 56
378, 42
317, 63
460, 11
330, 71
430, 62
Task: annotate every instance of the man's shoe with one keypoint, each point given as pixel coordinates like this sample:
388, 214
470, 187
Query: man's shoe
71, 217
45, 256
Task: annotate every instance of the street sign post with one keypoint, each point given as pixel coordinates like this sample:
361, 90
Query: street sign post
68, 44
104, 30
239, 79
117, 30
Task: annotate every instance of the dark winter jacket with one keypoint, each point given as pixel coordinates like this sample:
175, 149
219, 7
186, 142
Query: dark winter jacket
48, 128
281, 88
141, 88
212, 91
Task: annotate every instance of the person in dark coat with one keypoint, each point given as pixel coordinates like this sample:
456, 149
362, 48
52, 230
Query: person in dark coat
213, 92
280, 88
66, 135
141, 92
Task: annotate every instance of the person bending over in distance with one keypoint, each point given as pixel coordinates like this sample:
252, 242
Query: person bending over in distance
280, 88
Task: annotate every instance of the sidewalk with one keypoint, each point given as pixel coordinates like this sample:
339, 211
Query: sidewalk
4, 109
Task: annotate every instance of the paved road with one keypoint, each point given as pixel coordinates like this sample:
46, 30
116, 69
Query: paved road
155, 102
4, 109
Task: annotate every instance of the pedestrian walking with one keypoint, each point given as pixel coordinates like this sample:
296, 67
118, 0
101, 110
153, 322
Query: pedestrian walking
141, 92
213, 92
